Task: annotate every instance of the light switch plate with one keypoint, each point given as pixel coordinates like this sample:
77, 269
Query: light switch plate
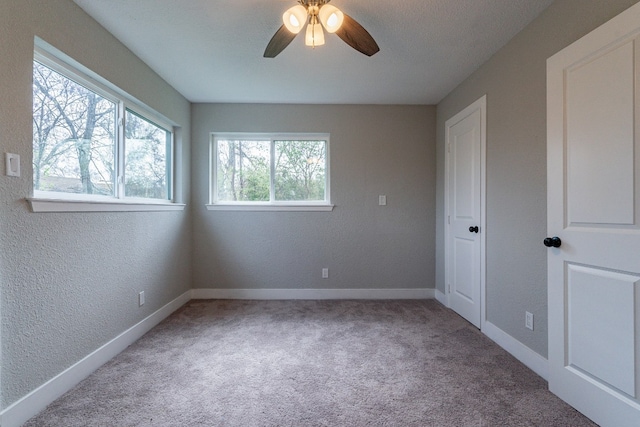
12, 164
382, 200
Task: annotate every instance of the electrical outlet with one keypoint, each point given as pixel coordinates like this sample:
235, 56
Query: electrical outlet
325, 273
528, 322
141, 298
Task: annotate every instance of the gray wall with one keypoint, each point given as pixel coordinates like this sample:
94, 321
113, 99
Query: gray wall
514, 80
69, 282
375, 150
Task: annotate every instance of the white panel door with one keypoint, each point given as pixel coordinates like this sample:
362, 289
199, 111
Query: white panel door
593, 149
465, 140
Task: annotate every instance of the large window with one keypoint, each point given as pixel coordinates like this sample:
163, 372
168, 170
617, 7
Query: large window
276, 170
91, 143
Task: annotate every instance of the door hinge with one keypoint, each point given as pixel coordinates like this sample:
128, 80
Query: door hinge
449, 219
121, 121
448, 288
448, 147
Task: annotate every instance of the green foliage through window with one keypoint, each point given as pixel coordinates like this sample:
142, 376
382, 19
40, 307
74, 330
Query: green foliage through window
243, 171
299, 170
270, 170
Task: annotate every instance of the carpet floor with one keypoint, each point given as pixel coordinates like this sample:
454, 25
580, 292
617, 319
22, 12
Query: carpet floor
312, 363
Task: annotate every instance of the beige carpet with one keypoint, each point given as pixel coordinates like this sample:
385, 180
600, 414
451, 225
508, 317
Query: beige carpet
312, 363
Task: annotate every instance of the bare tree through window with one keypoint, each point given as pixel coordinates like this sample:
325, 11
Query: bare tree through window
73, 136
76, 141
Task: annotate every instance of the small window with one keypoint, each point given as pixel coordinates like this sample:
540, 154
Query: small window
92, 143
270, 170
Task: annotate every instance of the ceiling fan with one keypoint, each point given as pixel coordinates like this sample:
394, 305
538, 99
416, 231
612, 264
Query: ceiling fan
319, 14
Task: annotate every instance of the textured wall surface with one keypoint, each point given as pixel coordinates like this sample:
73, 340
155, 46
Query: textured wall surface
514, 80
374, 150
69, 281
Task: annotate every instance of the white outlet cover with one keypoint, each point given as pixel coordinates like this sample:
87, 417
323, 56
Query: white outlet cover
528, 323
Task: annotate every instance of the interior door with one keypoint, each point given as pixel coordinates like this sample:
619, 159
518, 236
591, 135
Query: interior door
465, 228
593, 165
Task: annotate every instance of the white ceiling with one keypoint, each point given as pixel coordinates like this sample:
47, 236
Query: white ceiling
211, 50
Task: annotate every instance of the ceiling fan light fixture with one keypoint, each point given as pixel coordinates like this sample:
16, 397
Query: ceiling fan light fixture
316, 14
315, 35
295, 18
331, 17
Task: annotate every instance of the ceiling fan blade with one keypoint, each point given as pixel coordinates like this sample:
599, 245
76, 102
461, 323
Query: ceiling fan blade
279, 41
357, 37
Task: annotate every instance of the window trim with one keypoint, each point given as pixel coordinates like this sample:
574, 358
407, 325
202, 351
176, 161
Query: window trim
271, 208
58, 202
52, 201
297, 206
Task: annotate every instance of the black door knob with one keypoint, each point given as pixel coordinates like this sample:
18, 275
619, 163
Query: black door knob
474, 229
552, 242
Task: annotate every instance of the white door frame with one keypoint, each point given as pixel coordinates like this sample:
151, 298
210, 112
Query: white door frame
481, 105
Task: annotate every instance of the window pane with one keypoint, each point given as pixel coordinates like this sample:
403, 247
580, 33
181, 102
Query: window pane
147, 158
242, 172
74, 136
300, 170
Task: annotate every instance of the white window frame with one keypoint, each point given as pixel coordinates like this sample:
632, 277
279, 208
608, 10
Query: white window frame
273, 205
54, 201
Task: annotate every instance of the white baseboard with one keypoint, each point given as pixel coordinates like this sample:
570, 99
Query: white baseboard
34, 402
441, 297
524, 354
312, 294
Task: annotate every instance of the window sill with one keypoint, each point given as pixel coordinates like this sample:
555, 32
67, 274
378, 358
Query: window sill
271, 208
41, 204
